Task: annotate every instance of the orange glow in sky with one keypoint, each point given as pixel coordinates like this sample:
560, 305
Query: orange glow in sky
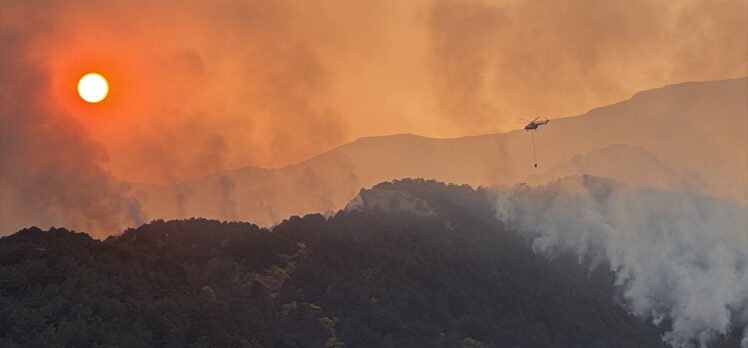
274, 83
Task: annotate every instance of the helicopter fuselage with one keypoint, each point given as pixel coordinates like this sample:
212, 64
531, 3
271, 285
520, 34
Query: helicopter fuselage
533, 125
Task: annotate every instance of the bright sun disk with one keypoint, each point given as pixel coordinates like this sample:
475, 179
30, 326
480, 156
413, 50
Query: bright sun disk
93, 87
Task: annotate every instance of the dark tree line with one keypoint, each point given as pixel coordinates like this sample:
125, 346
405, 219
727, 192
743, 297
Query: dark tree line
370, 278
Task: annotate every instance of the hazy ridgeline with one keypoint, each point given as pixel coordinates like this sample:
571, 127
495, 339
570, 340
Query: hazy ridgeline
689, 137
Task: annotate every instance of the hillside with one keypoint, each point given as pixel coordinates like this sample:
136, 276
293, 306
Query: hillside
696, 130
374, 275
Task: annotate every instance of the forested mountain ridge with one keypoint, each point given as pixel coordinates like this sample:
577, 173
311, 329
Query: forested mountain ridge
363, 277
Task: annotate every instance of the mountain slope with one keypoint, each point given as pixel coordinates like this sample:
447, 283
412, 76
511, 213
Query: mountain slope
371, 276
633, 165
698, 130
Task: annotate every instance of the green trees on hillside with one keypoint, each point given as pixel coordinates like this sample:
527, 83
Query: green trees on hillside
368, 278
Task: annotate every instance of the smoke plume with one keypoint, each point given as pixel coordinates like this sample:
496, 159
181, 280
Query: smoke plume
50, 172
680, 258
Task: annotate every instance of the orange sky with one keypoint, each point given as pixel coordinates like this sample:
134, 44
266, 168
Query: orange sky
199, 86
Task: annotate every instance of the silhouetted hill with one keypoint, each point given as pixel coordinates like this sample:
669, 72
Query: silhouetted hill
375, 275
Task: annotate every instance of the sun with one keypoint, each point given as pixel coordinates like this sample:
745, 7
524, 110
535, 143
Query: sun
93, 87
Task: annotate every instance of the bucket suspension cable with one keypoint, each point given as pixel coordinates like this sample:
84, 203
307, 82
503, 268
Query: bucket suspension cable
534, 158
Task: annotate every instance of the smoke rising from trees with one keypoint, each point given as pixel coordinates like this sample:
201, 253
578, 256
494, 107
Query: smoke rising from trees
680, 258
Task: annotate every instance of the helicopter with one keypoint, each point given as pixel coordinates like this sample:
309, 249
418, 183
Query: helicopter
533, 126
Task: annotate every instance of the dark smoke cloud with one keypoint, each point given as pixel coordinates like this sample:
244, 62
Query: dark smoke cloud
463, 35
50, 172
227, 206
494, 61
289, 91
182, 195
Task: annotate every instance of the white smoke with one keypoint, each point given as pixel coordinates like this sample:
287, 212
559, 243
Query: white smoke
680, 258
